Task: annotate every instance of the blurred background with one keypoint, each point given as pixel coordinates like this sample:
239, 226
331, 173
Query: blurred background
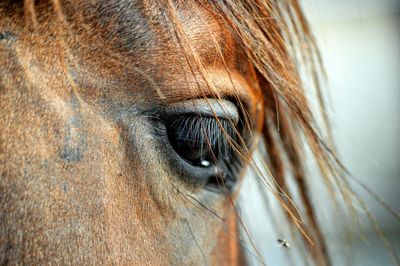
360, 45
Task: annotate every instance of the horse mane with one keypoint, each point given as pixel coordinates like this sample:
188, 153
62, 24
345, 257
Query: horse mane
273, 35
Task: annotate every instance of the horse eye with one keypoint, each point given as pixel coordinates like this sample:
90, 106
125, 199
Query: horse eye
201, 141
205, 143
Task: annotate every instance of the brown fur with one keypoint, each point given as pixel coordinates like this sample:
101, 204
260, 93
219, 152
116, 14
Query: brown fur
82, 181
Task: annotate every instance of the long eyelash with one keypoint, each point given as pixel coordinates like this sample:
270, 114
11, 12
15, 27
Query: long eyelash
196, 130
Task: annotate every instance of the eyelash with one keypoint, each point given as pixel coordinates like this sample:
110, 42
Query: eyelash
206, 134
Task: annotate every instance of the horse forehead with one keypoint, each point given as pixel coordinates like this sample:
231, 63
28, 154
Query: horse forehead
144, 31
145, 26
204, 28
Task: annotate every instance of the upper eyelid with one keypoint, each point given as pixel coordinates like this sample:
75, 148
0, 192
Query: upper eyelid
209, 107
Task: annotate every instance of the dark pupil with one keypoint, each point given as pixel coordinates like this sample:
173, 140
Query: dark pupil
201, 140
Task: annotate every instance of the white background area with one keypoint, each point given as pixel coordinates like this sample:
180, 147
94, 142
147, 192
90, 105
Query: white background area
360, 44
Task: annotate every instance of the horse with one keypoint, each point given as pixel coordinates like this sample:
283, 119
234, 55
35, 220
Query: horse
127, 127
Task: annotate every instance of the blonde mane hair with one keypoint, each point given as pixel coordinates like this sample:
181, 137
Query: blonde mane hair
279, 42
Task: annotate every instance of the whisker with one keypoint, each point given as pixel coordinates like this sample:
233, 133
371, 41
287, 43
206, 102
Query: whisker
204, 206
188, 197
197, 244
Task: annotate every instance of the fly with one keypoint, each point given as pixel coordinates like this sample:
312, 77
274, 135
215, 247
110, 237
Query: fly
283, 243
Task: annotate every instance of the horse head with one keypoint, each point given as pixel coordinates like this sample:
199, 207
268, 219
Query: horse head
126, 126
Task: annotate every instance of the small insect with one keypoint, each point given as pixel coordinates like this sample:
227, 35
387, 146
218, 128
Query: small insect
283, 243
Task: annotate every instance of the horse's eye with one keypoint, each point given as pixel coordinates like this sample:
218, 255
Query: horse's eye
202, 146
202, 141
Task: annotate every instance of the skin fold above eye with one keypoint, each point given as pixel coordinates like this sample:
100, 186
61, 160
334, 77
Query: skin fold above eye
211, 107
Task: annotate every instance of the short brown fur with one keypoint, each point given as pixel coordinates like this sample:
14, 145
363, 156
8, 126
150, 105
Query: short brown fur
82, 181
